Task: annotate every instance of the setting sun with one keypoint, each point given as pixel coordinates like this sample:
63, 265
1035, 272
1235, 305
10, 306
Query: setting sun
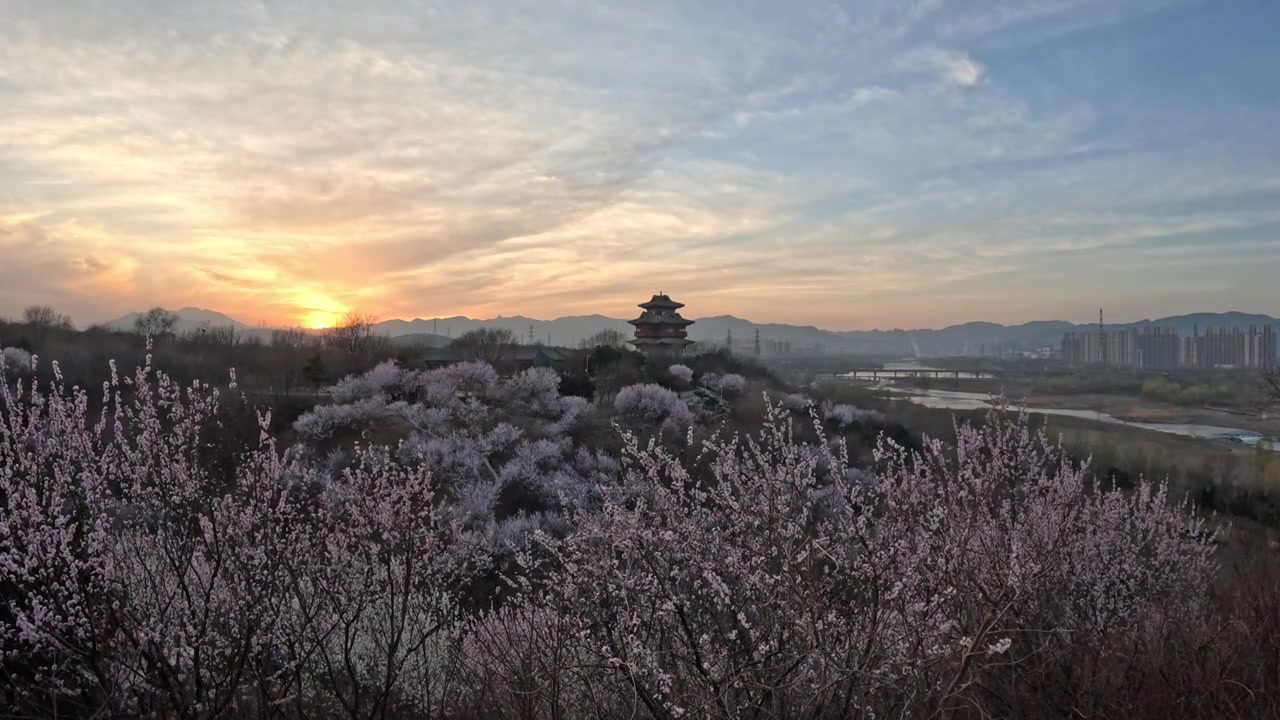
320, 319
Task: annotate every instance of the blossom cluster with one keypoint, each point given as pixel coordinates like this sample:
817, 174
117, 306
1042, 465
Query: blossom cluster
845, 415
652, 403
483, 437
758, 581
726, 384
751, 575
681, 372
139, 581
16, 360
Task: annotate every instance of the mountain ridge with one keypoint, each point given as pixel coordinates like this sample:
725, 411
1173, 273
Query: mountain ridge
569, 330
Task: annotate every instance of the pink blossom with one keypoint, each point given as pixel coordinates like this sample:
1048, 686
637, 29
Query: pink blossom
650, 402
732, 384
681, 372
750, 578
796, 401
846, 415
16, 361
384, 379
140, 571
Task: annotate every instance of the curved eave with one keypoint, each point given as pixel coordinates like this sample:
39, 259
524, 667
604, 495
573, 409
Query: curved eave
660, 341
660, 321
654, 304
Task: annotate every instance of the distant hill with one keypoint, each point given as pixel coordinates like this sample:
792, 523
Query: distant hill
564, 331
1186, 324
971, 338
189, 318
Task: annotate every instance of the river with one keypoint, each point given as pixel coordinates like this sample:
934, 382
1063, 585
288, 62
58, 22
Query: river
954, 400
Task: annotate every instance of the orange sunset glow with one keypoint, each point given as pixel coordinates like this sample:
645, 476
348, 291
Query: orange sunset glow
285, 163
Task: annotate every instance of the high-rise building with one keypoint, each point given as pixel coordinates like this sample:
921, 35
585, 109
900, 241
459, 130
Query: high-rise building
1192, 351
1260, 347
1164, 348
769, 346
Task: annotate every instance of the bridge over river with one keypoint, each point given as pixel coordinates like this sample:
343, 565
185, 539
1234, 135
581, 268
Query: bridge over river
894, 371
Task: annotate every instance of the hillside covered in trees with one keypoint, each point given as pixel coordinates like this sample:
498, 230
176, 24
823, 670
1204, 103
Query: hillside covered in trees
637, 540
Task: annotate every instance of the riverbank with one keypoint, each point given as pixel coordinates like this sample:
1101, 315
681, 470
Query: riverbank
1233, 479
1123, 407
1139, 410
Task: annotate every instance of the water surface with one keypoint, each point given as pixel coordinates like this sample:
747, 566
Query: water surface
957, 400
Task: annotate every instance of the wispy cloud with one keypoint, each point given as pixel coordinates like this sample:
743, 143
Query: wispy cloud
883, 163
950, 67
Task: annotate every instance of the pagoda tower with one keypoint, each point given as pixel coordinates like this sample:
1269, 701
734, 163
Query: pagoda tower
660, 331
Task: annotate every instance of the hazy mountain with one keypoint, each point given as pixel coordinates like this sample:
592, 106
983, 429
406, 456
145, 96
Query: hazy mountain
189, 318
1187, 324
977, 337
717, 329
971, 338
564, 331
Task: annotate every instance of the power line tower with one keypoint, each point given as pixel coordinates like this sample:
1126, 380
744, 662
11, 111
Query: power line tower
728, 340
530, 334
757, 342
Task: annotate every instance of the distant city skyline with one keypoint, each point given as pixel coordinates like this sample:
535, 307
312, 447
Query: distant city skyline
847, 165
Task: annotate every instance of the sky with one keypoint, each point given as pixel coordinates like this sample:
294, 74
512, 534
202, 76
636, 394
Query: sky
851, 165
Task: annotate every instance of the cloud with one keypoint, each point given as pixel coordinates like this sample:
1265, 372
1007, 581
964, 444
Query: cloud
833, 161
871, 94
949, 67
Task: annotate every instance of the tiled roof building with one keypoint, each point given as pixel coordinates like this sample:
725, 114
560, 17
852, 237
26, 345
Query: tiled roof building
660, 331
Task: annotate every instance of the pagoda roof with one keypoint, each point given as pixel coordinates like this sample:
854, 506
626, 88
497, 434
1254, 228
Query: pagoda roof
651, 319
660, 341
661, 301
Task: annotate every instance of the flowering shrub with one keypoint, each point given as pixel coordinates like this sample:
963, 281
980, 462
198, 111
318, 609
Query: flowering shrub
382, 380
750, 576
535, 391
497, 446
732, 384
572, 410
139, 583
16, 360
754, 586
326, 421
681, 372
727, 384
846, 415
796, 401
651, 403
469, 377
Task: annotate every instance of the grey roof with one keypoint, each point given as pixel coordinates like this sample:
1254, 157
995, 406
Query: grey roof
649, 318
533, 352
661, 300
659, 341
